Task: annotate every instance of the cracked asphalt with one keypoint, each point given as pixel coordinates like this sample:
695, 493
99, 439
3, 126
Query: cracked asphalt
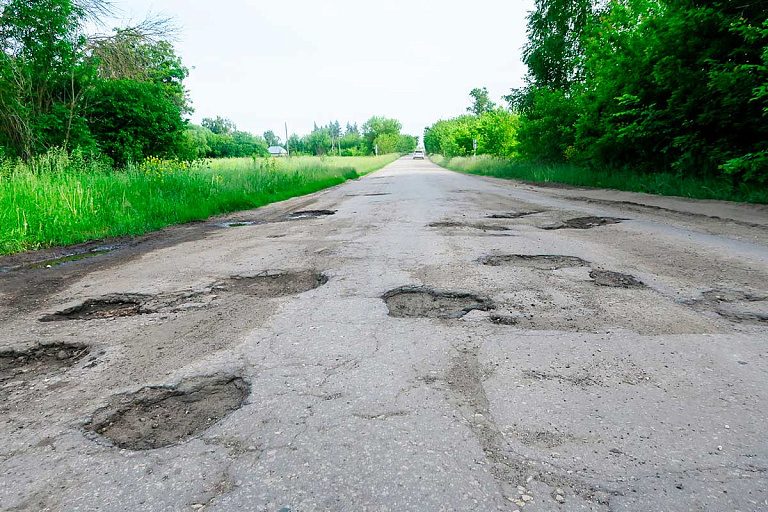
644, 388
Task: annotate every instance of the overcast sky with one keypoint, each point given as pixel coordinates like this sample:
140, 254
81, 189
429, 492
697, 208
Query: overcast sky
304, 61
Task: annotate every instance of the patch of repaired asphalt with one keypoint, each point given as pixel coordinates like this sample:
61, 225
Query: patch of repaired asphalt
40, 361
423, 302
158, 416
615, 279
108, 306
275, 283
584, 223
538, 261
512, 471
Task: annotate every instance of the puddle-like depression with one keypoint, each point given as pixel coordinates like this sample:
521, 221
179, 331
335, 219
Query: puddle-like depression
43, 360
538, 261
238, 223
73, 256
276, 283
417, 301
155, 417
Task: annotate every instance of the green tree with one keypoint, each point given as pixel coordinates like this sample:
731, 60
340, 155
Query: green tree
220, 125
377, 127
480, 102
271, 138
131, 120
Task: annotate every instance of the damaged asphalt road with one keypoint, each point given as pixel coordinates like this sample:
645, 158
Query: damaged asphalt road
428, 341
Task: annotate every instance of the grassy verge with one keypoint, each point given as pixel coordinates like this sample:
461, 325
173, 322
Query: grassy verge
60, 200
658, 183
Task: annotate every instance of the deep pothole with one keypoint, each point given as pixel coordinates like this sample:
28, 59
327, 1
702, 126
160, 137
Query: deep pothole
42, 360
159, 416
422, 302
276, 283
309, 214
538, 261
615, 279
585, 223
453, 224
108, 306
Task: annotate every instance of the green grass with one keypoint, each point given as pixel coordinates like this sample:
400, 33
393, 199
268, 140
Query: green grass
666, 184
58, 199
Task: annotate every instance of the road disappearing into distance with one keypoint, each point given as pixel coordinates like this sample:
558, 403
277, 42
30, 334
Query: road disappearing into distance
416, 339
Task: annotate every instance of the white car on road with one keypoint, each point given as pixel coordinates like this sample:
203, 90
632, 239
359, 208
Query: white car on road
418, 154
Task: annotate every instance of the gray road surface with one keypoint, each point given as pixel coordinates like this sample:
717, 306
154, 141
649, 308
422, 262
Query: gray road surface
567, 388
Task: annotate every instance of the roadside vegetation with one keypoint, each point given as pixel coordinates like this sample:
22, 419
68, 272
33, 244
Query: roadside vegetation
666, 184
95, 139
61, 198
662, 96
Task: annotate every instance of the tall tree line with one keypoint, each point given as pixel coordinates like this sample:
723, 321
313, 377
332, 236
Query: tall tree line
651, 85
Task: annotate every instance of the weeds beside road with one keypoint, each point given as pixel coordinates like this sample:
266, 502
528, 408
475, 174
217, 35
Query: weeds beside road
58, 199
659, 183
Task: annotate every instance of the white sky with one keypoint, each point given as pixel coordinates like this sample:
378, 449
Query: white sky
303, 61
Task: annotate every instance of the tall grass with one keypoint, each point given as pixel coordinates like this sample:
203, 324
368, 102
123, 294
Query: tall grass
60, 199
666, 184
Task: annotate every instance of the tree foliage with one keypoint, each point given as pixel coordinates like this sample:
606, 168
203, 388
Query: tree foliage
651, 85
61, 86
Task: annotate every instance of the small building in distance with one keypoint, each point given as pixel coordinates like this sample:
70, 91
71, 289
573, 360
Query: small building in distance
277, 151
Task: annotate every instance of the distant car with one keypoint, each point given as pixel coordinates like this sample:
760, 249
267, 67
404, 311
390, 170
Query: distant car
418, 154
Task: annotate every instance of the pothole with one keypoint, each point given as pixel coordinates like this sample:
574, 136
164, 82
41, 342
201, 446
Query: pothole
26, 365
615, 279
538, 261
422, 302
237, 223
276, 283
309, 214
735, 305
452, 224
585, 223
511, 215
155, 416
109, 306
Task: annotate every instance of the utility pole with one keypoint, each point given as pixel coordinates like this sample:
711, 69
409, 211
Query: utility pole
287, 141
474, 147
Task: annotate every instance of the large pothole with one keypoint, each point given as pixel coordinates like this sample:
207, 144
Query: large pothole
109, 306
155, 417
276, 283
418, 301
43, 360
584, 223
538, 261
615, 279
